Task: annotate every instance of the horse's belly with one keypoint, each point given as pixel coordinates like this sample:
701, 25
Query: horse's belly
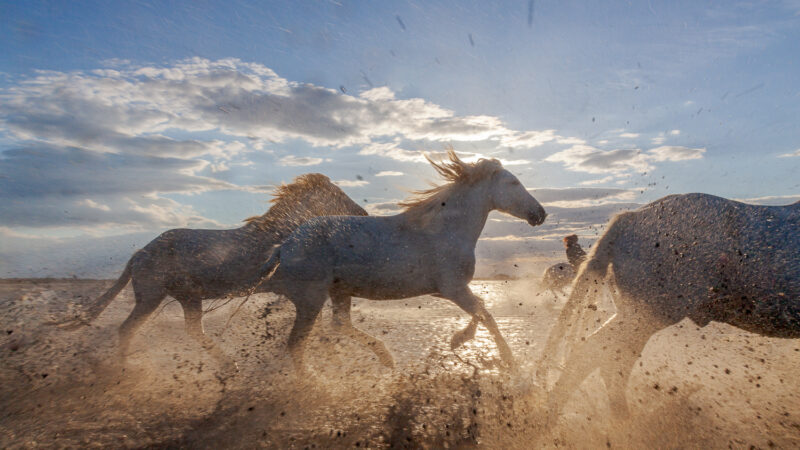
381, 284
383, 292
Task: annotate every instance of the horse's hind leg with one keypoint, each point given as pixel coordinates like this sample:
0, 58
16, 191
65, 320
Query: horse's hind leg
473, 305
467, 334
308, 303
147, 300
627, 349
193, 321
343, 324
614, 349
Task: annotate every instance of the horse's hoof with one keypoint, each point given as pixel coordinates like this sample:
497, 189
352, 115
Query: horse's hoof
458, 340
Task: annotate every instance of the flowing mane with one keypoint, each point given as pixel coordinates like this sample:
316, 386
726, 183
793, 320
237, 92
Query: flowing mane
457, 172
285, 197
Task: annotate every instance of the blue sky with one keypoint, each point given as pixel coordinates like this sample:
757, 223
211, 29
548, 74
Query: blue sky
119, 120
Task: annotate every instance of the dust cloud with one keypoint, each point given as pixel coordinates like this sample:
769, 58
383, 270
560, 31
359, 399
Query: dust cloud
710, 387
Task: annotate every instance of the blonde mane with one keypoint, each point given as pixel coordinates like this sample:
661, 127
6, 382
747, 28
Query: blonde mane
455, 171
285, 197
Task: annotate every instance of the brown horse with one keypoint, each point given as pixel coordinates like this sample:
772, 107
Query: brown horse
193, 265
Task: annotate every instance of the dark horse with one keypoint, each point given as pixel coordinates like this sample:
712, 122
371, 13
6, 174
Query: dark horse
193, 265
693, 256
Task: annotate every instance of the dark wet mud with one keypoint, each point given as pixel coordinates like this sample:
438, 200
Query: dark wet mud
711, 387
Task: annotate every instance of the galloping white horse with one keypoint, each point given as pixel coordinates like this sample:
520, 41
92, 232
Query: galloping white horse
694, 255
427, 249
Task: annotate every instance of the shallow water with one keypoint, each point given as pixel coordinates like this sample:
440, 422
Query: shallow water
711, 387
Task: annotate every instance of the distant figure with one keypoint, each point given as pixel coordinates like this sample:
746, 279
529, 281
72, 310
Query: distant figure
557, 277
575, 253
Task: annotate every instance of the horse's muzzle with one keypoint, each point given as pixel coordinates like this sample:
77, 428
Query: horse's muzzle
537, 218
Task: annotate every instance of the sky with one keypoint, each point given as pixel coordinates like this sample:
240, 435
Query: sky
119, 120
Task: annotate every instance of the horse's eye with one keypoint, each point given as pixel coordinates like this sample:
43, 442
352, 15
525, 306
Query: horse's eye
515, 183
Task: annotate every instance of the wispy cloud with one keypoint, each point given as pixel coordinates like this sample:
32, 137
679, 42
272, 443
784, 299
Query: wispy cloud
388, 173
351, 183
582, 197
292, 160
793, 154
607, 179
585, 158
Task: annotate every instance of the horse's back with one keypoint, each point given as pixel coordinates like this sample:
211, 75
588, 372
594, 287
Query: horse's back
684, 253
200, 262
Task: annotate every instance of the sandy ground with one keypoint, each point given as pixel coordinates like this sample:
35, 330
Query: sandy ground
715, 387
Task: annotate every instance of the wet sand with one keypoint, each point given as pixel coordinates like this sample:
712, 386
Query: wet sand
712, 387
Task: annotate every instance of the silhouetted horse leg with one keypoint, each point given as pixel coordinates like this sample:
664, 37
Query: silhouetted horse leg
193, 321
617, 372
308, 303
147, 300
343, 324
614, 349
473, 305
467, 334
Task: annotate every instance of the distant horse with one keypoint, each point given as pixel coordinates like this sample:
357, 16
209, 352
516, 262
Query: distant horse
427, 249
193, 265
694, 255
557, 277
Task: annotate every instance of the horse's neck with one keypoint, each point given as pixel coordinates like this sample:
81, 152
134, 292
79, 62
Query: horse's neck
462, 217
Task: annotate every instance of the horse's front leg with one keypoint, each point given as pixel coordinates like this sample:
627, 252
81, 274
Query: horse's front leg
193, 322
343, 324
473, 305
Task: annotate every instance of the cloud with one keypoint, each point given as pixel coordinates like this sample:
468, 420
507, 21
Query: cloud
351, 183
392, 150
292, 160
581, 197
585, 158
130, 108
110, 142
629, 135
388, 173
793, 154
607, 179
530, 139
675, 153
45, 186
388, 208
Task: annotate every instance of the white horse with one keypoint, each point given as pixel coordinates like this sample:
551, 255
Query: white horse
694, 255
427, 249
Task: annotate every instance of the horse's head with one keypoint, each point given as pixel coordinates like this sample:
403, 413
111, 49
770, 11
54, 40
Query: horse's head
510, 196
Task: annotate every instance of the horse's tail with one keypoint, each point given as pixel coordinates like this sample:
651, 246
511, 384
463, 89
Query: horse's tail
588, 281
99, 304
